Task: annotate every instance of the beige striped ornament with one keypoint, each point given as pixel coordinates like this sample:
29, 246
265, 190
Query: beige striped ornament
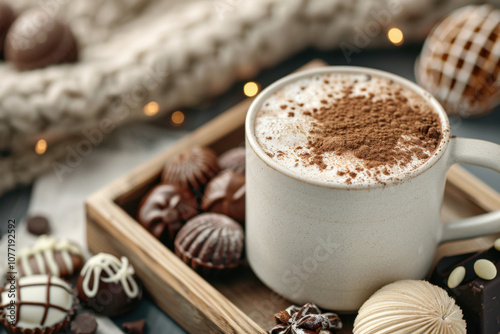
460, 61
410, 307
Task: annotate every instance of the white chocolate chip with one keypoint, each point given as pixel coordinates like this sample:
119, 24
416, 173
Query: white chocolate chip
497, 244
456, 277
485, 269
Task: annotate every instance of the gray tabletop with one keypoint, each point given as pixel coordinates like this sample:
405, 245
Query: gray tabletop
13, 205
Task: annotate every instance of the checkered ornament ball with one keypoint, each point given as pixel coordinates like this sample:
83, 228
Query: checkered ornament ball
460, 61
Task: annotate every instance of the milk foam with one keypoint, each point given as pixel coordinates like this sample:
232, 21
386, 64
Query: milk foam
280, 135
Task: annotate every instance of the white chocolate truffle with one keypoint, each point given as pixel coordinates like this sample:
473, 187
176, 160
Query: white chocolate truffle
410, 306
39, 301
460, 61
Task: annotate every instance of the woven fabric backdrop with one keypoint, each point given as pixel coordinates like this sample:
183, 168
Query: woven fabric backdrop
175, 53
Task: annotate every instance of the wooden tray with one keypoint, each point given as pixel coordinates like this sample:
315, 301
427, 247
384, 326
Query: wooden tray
241, 304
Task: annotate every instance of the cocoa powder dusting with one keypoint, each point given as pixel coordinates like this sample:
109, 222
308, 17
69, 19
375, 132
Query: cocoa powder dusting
385, 132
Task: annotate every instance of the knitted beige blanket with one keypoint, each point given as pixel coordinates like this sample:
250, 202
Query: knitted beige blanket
174, 52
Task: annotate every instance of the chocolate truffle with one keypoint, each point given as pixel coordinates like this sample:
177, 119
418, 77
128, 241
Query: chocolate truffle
49, 256
134, 327
192, 168
225, 194
210, 243
38, 225
40, 304
165, 208
234, 160
108, 285
7, 16
305, 319
84, 324
473, 280
37, 39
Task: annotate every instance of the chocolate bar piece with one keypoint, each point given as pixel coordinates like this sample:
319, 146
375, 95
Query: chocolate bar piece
473, 280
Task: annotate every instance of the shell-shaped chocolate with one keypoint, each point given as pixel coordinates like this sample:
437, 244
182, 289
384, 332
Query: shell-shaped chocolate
460, 61
164, 210
409, 306
194, 167
234, 160
210, 242
42, 303
108, 285
49, 256
7, 16
225, 194
37, 39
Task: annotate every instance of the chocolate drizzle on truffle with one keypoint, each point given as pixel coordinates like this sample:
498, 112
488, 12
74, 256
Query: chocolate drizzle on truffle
108, 285
52, 298
50, 256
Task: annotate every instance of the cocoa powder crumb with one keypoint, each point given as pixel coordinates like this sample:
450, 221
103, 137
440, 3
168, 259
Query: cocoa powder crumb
269, 138
283, 106
291, 114
306, 113
377, 132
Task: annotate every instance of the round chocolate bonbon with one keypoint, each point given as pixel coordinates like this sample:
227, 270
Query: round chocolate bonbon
83, 324
38, 225
108, 286
37, 39
192, 168
234, 160
165, 208
210, 243
49, 256
7, 16
42, 304
225, 194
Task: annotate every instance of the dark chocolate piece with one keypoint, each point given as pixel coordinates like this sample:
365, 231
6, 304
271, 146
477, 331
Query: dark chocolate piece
7, 17
192, 168
234, 160
225, 194
37, 39
210, 243
305, 319
134, 327
478, 298
38, 225
108, 285
84, 324
164, 210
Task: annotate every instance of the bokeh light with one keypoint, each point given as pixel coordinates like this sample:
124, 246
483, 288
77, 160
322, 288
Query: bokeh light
395, 35
177, 118
151, 108
251, 89
41, 147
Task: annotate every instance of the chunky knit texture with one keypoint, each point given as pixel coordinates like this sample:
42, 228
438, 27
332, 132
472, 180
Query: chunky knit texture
175, 52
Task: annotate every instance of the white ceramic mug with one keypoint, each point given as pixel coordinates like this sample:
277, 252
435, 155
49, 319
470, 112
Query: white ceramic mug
335, 244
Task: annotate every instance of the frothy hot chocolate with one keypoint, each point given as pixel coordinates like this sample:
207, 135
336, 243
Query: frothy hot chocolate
348, 128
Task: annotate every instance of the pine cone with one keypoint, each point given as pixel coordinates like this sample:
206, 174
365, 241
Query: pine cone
305, 320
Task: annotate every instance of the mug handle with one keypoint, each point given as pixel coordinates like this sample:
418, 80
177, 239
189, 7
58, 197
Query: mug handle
478, 153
